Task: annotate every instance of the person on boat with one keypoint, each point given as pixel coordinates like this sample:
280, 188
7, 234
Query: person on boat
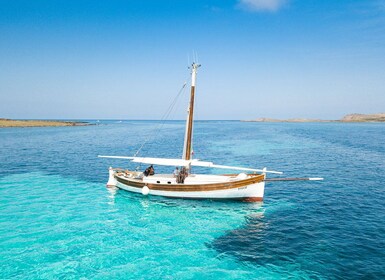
149, 171
181, 176
176, 172
152, 171
145, 172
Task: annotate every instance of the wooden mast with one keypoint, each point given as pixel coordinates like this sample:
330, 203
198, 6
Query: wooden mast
189, 123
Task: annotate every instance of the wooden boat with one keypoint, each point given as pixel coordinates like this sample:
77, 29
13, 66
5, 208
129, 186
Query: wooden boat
246, 187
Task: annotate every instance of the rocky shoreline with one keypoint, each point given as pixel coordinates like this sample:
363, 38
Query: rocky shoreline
346, 119
38, 123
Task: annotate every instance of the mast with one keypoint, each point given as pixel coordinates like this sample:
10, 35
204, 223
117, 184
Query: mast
190, 115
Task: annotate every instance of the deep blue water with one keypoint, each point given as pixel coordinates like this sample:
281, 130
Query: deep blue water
58, 220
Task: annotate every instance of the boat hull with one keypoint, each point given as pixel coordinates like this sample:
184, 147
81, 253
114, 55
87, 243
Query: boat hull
251, 188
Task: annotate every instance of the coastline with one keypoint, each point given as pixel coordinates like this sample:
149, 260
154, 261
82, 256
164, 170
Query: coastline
351, 118
290, 120
5, 123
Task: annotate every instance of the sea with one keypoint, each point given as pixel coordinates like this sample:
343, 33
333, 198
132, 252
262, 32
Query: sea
58, 220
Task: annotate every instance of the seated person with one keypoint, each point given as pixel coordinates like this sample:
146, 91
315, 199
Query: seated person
149, 171
146, 172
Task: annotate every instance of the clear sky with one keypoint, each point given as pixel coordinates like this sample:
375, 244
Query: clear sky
124, 59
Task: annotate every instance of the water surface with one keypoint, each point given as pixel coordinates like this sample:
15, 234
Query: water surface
58, 220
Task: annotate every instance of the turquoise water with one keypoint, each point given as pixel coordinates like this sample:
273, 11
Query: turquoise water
58, 220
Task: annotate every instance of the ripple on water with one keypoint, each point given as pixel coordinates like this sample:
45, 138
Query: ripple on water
57, 219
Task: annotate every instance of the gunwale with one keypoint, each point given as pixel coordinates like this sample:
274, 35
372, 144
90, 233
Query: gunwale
252, 179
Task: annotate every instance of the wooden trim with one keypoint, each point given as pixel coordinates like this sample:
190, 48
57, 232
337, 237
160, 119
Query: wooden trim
256, 178
130, 182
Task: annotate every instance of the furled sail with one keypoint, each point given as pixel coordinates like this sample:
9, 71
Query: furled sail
187, 163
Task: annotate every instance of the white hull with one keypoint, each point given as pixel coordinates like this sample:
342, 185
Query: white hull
254, 191
238, 187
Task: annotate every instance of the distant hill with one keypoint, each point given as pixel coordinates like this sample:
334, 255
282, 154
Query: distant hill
34, 123
348, 118
364, 118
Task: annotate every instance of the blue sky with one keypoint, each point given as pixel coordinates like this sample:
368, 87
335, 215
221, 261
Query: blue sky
128, 59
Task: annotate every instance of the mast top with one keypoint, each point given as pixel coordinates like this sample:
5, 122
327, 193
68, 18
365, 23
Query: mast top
195, 65
194, 69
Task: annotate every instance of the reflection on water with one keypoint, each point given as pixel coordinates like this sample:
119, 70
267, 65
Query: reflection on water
144, 203
111, 194
229, 206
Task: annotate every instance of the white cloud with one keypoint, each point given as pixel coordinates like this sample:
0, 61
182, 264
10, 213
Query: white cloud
261, 5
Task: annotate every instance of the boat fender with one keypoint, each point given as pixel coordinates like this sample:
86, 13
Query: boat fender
145, 190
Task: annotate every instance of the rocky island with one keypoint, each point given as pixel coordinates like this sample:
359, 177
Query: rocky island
37, 123
380, 117
364, 118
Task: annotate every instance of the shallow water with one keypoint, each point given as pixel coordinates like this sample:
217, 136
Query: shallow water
58, 220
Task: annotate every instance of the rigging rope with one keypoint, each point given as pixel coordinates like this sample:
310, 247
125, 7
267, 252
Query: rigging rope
163, 119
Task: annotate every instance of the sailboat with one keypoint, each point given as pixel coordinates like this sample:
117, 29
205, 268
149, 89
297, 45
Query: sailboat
242, 186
